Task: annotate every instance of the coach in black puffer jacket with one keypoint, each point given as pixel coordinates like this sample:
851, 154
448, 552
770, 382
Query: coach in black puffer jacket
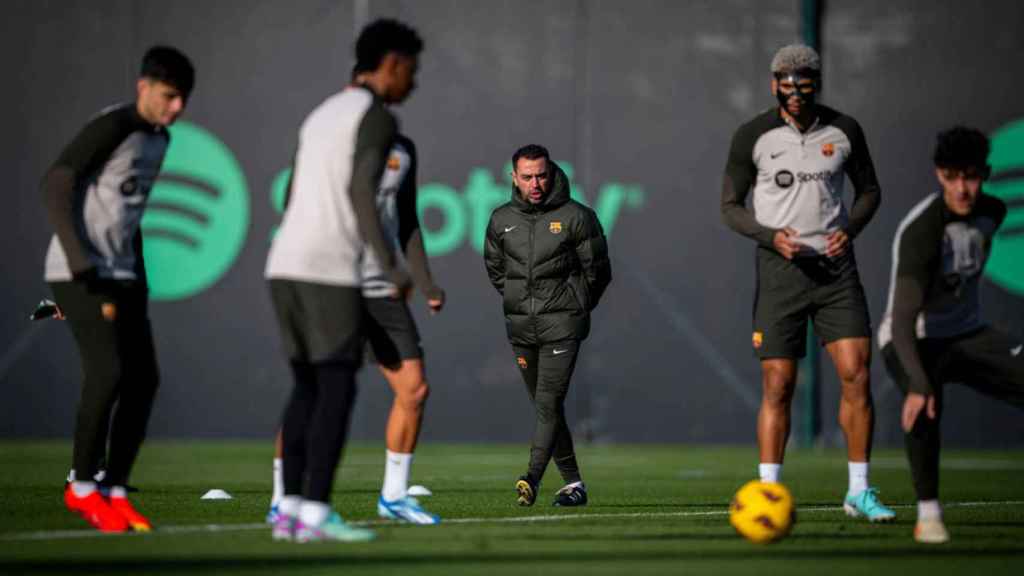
547, 256
550, 263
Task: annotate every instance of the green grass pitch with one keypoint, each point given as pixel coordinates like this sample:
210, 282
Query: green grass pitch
653, 509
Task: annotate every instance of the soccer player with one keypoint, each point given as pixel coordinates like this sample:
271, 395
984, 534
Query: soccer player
95, 194
547, 256
932, 332
793, 159
394, 341
315, 275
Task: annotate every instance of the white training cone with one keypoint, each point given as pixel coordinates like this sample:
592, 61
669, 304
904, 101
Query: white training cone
419, 490
216, 494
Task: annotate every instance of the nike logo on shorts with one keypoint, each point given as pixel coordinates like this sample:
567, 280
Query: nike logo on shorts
556, 351
510, 228
1016, 351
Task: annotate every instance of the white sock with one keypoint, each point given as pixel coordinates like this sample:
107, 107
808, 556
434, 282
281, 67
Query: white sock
100, 475
289, 505
929, 510
83, 489
313, 513
769, 472
858, 477
118, 492
278, 493
396, 475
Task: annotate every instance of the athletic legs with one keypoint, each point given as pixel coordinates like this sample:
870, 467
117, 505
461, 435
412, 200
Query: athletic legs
410, 386
778, 380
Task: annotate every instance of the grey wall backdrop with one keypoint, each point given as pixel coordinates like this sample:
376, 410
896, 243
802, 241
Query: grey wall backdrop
640, 98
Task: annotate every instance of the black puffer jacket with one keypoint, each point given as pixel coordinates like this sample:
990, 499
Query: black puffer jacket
550, 264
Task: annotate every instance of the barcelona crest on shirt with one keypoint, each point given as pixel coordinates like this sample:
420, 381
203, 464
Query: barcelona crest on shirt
555, 227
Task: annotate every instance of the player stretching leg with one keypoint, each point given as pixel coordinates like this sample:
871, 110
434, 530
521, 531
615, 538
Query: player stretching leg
932, 331
793, 160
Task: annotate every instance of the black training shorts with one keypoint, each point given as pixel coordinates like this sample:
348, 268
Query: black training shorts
825, 291
391, 332
319, 323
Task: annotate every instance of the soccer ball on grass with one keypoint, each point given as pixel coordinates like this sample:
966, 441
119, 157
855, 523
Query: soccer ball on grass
762, 512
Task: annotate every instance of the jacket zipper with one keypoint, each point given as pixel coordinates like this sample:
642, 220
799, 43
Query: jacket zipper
529, 280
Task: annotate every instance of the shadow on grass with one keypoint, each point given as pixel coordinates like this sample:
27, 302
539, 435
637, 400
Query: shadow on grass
168, 565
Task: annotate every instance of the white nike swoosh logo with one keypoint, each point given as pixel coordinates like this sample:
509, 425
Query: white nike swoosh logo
1016, 351
510, 228
556, 351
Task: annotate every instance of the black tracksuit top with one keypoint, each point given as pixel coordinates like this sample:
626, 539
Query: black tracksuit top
550, 264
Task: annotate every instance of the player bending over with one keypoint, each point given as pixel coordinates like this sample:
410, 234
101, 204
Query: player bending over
932, 333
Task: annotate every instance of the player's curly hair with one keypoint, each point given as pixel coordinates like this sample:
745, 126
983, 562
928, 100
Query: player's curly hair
796, 57
382, 36
960, 148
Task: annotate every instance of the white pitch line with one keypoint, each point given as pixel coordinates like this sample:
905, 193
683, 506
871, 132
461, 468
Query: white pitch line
206, 528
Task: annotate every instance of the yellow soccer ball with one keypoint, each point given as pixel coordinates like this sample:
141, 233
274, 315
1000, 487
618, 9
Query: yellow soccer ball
762, 512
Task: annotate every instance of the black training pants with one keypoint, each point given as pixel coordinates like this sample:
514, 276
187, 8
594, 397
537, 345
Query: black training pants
987, 360
546, 372
110, 324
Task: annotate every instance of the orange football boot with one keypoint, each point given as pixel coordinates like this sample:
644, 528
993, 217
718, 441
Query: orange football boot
96, 511
137, 521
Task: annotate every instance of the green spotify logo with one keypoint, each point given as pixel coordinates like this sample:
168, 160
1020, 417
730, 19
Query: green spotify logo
460, 217
1006, 263
197, 217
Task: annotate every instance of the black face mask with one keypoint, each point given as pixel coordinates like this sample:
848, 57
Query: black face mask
807, 97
